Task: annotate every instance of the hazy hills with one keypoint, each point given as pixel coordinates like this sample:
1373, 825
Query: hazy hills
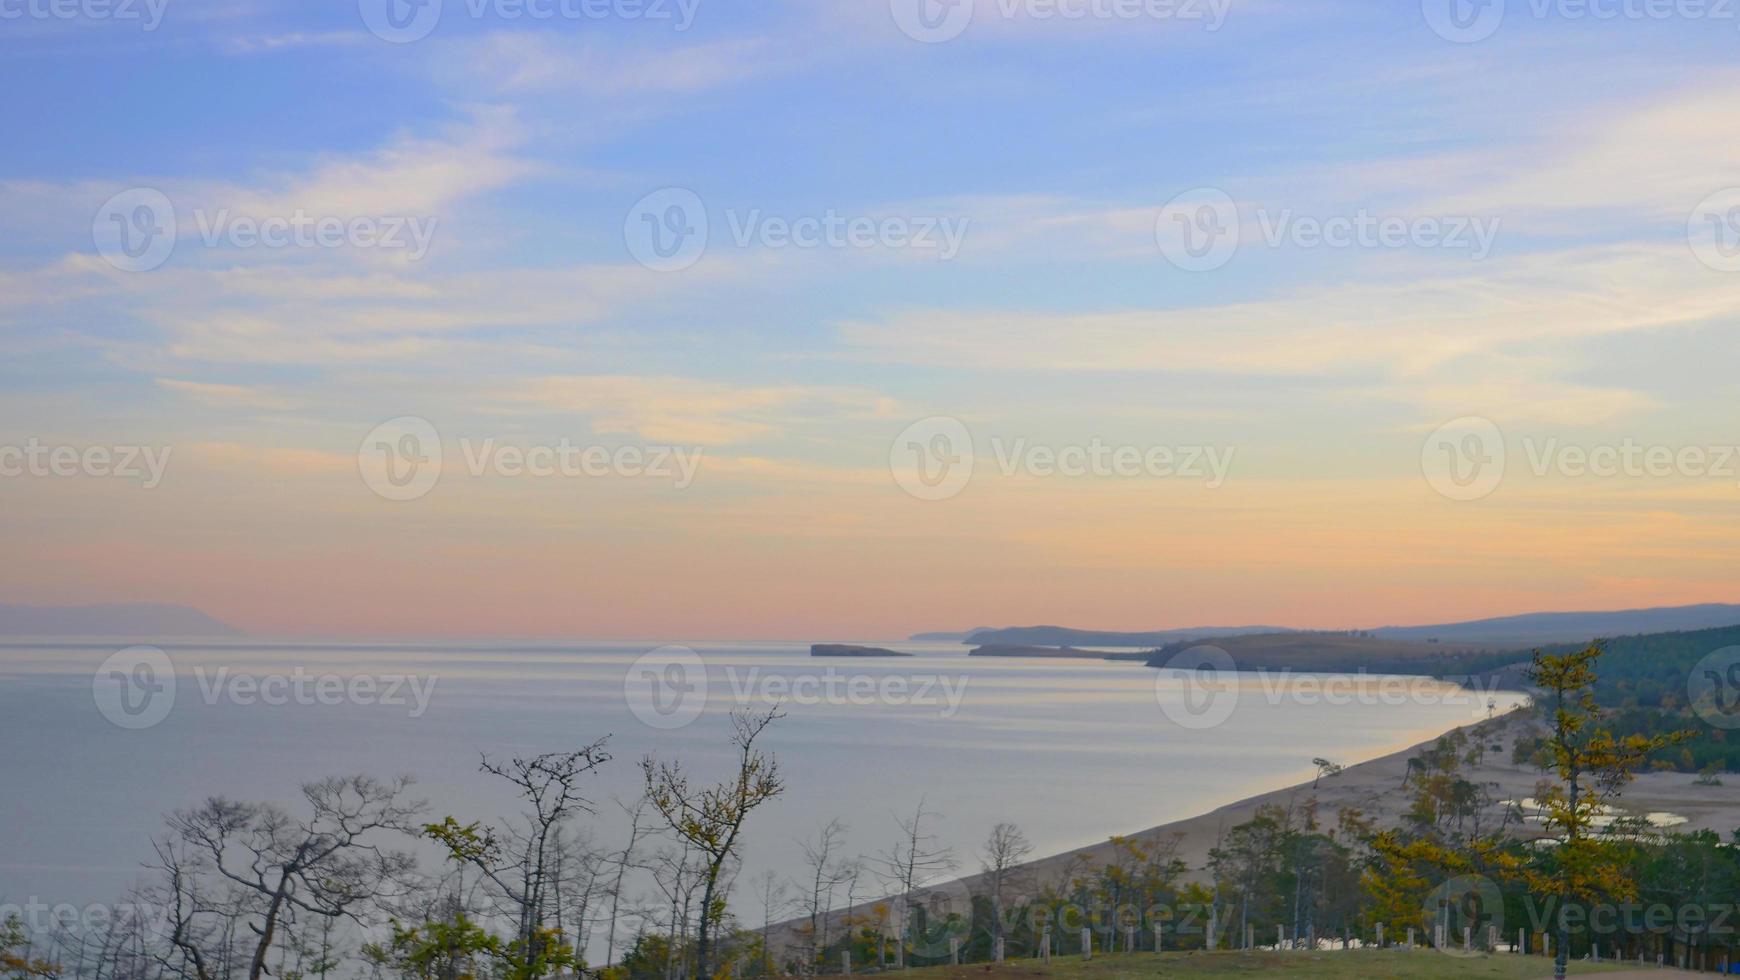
1506, 631
133, 620
1570, 627
1061, 636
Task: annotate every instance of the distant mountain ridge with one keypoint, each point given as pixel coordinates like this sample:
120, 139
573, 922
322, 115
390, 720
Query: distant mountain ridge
1062, 636
141, 621
1504, 631
1570, 627
945, 636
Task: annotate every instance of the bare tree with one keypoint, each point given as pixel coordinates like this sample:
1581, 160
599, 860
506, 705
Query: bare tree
327, 864
914, 860
1005, 849
710, 819
675, 875
827, 871
624, 861
774, 901
523, 863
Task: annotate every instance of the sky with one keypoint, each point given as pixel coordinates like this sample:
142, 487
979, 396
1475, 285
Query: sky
845, 319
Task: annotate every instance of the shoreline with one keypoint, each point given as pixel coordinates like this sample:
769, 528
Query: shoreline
1372, 787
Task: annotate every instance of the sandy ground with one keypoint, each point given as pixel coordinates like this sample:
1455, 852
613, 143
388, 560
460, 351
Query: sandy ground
1375, 789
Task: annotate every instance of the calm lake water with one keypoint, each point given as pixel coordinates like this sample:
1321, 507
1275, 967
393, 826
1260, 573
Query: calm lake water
1072, 751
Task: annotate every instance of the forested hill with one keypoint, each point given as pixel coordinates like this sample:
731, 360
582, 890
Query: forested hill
1646, 684
1649, 670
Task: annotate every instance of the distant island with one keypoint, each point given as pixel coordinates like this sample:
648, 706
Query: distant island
140, 621
847, 650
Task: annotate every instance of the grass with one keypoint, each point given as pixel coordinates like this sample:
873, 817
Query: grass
1421, 964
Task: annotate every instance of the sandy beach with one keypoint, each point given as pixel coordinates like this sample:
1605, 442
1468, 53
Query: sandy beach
1375, 789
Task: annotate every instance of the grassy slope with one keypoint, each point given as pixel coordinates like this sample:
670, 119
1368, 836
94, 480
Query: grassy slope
1420, 964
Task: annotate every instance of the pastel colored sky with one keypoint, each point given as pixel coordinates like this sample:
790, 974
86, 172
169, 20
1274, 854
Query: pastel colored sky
1591, 148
